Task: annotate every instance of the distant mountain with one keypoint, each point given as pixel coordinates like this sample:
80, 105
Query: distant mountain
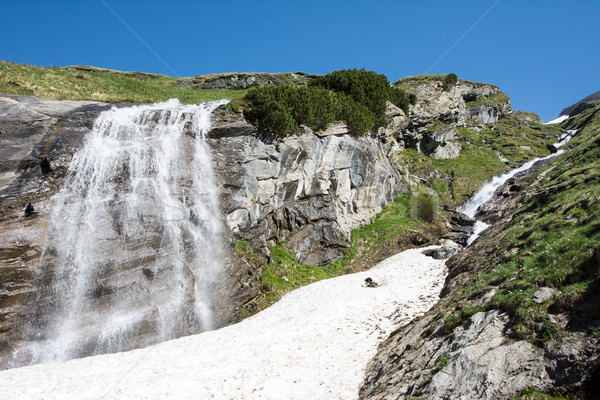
575, 107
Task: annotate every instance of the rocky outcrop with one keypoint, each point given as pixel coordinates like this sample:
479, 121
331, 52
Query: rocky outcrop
432, 121
245, 80
311, 189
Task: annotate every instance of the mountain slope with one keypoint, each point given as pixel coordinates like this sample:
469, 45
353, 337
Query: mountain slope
520, 308
570, 110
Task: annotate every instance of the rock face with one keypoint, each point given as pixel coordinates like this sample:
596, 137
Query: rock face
432, 121
311, 189
33, 132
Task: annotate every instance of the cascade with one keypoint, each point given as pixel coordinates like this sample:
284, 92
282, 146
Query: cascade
132, 254
486, 192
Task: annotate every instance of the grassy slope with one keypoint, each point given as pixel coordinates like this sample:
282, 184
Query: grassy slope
554, 244
454, 180
89, 83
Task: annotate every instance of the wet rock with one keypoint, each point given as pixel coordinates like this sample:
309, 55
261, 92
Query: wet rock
468, 229
463, 219
458, 237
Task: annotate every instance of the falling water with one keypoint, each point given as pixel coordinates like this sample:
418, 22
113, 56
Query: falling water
133, 241
486, 192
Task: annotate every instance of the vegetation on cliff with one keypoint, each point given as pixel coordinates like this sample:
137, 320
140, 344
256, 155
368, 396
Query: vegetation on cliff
539, 264
357, 97
513, 138
98, 84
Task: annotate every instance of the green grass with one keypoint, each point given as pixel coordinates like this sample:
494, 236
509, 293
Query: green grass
497, 99
410, 82
535, 394
478, 160
88, 83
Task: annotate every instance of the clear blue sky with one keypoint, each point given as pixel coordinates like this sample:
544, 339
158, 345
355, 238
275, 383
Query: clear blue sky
544, 54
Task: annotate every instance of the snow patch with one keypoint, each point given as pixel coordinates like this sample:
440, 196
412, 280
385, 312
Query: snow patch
557, 120
312, 344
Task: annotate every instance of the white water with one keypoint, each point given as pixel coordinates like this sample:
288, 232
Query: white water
133, 240
486, 192
312, 344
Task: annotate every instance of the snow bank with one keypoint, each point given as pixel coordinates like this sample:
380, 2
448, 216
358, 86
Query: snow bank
557, 120
312, 344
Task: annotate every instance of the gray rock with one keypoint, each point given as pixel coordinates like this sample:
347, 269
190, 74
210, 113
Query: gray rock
269, 190
463, 219
484, 113
486, 367
543, 294
446, 250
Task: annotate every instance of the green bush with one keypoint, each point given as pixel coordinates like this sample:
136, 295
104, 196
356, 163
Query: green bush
364, 87
449, 81
357, 97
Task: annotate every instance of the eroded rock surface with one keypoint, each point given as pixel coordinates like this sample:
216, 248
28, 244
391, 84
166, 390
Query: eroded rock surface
311, 189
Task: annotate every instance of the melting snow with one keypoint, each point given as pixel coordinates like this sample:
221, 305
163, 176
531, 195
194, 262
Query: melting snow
312, 344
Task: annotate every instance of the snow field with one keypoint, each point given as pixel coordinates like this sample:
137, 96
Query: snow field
312, 344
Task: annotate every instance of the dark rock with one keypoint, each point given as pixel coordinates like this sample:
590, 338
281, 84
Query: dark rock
463, 219
552, 148
540, 198
458, 237
27, 210
514, 188
370, 283
322, 256
463, 229
150, 273
419, 240
45, 166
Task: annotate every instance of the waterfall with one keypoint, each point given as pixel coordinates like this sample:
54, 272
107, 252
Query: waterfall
132, 253
486, 192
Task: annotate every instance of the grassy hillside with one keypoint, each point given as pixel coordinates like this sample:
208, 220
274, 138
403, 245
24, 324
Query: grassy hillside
513, 137
552, 241
89, 83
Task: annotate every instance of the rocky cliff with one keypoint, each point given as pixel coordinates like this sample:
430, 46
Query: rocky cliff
310, 190
441, 108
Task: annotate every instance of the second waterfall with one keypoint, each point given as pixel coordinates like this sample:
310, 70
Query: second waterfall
132, 254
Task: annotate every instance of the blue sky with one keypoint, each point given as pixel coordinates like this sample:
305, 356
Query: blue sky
544, 54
